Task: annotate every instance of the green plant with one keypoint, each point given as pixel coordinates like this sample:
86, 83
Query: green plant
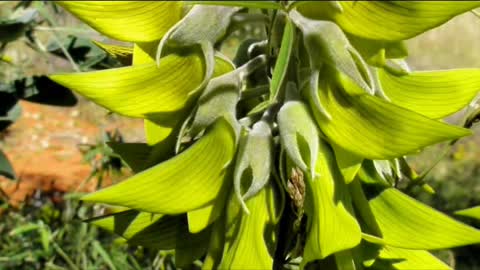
105, 163
293, 155
47, 232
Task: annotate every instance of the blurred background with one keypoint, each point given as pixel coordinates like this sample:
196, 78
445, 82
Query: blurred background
57, 148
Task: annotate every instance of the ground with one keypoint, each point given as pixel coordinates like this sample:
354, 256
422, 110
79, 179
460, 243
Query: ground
43, 147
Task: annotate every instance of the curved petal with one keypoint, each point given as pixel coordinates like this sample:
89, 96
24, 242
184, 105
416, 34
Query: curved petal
141, 228
250, 247
373, 128
407, 223
186, 182
138, 21
387, 20
140, 90
435, 94
332, 227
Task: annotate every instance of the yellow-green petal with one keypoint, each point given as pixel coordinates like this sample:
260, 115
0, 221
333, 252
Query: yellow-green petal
249, 246
142, 90
186, 182
387, 20
373, 128
407, 223
435, 94
332, 226
138, 21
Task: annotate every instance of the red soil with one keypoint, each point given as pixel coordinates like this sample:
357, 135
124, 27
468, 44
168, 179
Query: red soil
43, 149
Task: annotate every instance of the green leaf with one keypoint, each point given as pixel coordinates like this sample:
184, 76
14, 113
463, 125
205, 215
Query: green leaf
407, 259
473, 212
188, 181
42, 90
142, 228
13, 28
435, 94
283, 59
190, 247
299, 135
251, 245
387, 20
142, 90
373, 128
5, 167
127, 21
407, 223
331, 226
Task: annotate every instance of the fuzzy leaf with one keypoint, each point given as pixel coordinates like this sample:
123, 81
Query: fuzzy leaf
373, 128
255, 154
201, 24
435, 94
387, 20
299, 135
407, 223
136, 21
188, 181
331, 226
221, 93
326, 43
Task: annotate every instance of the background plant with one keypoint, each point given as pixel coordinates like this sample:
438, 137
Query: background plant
301, 145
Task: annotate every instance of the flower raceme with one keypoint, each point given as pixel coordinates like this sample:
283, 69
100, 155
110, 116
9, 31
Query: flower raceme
290, 154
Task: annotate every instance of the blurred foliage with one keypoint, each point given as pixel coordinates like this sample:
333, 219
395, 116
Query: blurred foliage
48, 233
104, 162
22, 25
455, 180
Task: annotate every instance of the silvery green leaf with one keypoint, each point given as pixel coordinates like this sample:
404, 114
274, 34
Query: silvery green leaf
326, 43
398, 67
255, 159
222, 93
203, 25
298, 134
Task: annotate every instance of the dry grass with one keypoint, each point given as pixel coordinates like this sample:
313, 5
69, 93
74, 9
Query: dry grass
453, 45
